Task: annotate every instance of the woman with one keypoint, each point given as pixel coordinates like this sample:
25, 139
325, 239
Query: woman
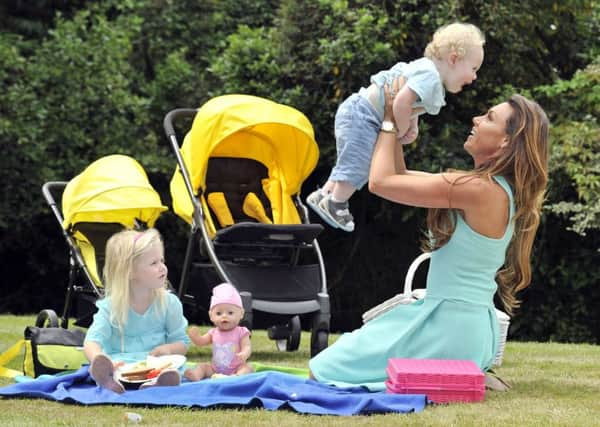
482, 224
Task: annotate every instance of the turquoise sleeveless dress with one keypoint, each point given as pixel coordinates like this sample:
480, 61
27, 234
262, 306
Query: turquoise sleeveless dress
456, 319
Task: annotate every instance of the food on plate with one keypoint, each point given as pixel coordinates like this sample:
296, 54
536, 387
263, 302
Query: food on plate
141, 371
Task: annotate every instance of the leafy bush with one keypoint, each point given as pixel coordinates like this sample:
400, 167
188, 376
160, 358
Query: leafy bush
99, 79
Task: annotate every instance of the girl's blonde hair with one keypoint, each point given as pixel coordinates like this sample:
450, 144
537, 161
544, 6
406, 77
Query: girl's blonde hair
122, 252
525, 166
456, 37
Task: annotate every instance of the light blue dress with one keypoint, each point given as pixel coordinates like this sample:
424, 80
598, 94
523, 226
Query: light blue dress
142, 333
456, 319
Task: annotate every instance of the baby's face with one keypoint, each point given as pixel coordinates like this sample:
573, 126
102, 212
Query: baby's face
226, 316
464, 70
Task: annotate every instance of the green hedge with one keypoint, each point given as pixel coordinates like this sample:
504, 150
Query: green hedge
98, 78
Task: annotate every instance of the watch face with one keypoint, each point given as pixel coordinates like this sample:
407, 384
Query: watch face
387, 126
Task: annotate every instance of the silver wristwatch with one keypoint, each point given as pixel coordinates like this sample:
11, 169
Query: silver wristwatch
388, 126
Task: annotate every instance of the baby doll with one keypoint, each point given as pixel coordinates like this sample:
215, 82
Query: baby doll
230, 342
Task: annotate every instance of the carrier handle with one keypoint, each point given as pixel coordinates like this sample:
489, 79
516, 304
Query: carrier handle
172, 115
412, 270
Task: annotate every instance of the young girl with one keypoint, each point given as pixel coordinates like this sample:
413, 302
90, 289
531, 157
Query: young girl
230, 342
451, 61
138, 316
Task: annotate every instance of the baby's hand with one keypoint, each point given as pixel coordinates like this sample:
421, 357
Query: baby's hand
411, 134
408, 137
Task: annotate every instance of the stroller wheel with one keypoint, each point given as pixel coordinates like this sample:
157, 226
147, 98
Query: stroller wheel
318, 342
287, 337
293, 341
46, 319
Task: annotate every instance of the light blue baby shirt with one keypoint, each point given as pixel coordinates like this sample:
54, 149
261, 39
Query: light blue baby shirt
422, 77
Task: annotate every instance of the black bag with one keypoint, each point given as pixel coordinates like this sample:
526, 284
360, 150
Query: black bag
53, 350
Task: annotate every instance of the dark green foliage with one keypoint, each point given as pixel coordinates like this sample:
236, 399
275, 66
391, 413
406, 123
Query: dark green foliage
84, 79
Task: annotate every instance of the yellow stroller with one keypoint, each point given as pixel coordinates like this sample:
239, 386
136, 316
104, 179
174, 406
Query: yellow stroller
111, 194
237, 183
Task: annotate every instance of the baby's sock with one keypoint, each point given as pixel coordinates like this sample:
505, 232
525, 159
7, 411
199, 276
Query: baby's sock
338, 203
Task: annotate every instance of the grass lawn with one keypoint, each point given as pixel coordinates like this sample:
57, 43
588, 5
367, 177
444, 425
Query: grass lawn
553, 385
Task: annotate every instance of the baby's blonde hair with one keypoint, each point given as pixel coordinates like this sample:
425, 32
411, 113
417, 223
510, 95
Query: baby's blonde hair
122, 251
454, 38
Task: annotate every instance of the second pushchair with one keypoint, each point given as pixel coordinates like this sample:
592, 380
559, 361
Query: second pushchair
237, 183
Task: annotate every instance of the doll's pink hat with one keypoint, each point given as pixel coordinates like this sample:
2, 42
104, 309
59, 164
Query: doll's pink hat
225, 294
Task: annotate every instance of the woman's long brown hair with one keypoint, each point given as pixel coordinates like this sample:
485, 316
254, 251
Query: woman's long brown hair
525, 166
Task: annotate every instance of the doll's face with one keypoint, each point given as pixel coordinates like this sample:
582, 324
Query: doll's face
226, 316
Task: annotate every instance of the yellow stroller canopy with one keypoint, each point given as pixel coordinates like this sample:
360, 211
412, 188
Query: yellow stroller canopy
243, 126
113, 189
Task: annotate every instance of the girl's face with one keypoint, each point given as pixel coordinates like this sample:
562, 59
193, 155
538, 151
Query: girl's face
149, 270
488, 136
226, 316
463, 71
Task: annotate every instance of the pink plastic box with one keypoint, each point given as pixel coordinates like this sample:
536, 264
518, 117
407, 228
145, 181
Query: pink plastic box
443, 381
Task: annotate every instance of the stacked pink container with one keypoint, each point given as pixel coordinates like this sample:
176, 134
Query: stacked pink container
443, 381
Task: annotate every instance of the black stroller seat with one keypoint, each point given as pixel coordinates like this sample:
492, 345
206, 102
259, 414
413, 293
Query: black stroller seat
244, 216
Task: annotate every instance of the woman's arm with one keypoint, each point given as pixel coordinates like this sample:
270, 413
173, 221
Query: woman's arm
389, 178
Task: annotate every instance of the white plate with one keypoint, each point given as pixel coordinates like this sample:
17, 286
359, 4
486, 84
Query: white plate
177, 360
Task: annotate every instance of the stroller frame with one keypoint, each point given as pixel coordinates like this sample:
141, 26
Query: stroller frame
77, 267
295, 237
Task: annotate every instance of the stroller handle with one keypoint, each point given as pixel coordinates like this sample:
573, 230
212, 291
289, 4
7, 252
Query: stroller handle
172, 115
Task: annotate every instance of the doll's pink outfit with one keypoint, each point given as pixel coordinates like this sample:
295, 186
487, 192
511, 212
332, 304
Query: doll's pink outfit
225, 345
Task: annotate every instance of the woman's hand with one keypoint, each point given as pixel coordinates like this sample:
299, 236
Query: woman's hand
389, 95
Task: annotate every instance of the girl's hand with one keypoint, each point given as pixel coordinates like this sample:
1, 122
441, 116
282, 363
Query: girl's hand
161, 350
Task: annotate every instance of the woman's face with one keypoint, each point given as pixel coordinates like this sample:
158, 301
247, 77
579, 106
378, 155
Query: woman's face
488, 136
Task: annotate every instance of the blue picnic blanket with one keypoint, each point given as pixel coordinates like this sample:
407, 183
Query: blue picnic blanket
268, 390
